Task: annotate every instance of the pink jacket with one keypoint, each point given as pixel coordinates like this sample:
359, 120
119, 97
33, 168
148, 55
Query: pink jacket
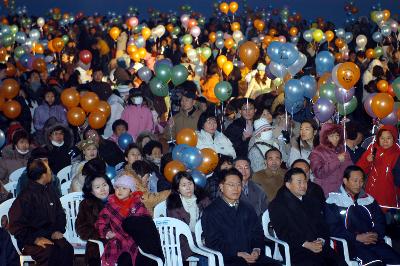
139, 119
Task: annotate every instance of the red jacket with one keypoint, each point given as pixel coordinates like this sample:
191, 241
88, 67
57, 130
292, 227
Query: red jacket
380, 182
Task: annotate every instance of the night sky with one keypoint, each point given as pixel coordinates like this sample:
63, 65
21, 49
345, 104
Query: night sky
331, 9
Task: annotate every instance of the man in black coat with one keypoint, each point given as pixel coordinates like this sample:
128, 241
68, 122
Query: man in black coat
297, 222
231, 226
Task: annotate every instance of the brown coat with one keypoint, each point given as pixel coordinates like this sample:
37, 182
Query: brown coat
11, 161
182, 120
270, 182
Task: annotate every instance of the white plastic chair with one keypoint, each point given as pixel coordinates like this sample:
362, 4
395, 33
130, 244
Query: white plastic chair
64, 174
199, 241
12, 188
70, 203
160, 210
4, 208
65, 187
14, 176
277, 254
170, 230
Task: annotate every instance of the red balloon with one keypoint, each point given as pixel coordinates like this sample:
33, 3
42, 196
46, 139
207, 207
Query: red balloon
85, 56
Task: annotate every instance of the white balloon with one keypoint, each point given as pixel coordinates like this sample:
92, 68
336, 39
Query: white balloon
237, 36
40, 22
361, 41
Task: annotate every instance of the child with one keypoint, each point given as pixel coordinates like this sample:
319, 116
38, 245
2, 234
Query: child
124, 203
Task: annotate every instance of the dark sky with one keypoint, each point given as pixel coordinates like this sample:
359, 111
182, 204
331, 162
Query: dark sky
329, 9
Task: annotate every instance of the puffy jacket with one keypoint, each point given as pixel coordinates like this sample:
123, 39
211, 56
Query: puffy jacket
219, 143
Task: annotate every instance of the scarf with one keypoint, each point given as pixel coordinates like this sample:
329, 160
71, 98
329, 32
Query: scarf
125, 205
190, 205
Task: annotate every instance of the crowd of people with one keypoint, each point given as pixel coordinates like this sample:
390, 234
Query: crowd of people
298, 117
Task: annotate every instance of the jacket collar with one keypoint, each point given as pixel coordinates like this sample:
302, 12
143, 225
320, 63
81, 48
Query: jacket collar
343, 199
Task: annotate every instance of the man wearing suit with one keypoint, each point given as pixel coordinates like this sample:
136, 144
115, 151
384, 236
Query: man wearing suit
252, 193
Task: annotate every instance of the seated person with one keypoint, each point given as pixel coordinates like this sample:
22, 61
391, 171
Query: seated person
37, 219
298, 222
232, 227
355, 216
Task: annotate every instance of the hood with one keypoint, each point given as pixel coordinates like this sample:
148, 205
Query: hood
328, 129
373, 63
52, 123
392, 130
113, 99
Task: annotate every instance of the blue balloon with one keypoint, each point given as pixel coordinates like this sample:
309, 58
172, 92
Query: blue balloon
192, 157
377, 36
199, 178
273, 51
177, 152
165, 61
2, 138
293, 107
309, 86
124, 140
288, 54
24, 60
110, 171
324, 62
20, 37
294, 90
50, 68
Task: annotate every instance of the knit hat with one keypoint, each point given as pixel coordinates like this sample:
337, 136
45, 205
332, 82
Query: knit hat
124, 89
261, 124
125, 181
84, 144
261, 67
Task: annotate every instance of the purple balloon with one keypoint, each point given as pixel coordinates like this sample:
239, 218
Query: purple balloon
367, 105
343, 95
391, 119
323, 109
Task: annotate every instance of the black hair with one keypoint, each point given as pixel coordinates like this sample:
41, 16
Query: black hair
38, 153
314, 125
119, 122
222, 158
18, 135
291, 172
352, 168
94, 167
272, 150
352, 131
377, 71
188, 86
3, 66
87, 185
241, 158
130, 147
224, 173
148, 148
300, 161
35, 169
244, 101
279, 110
142, 136
177, 179
203, 118
142, 168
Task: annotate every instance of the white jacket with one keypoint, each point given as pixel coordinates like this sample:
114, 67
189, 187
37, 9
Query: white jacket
220, 144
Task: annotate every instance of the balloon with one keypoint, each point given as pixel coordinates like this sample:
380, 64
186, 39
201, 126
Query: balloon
307, 35
206, 52
195, 31
348, 37
58, 44
348, 107
367, 105
111, 173
97, 119
396, 87
340, 33
298, 64
9, 88
237, 36
76, 116
39, 65
199, 178
89, 101
340, 43
11, 70
219, 43
317, 35
235, 26
378, 51
229, 43
212, 37
158, 87
103, 107
327, 91
85, 56
386, 31
221, 60
294, 107
163, 72
199, 70
329, 35
391, 119
184, 20
187, 136
224, 8
370, 53
259, 24
293, 31
223, 90
382, 105
309, 86
12, 109
377, 36
233, 7
348, 74
34, 35
114, 33
273, 51
323, 109
294, 90
187, 39
70, 97
145, 74
278, 70
209, 162
324, 62
20, 37
343, 95
179, 74
361, 41
382, 85
177, 152
227, 67
2, 138
288, 54
172, 168
191, 157
249, 53
124, 140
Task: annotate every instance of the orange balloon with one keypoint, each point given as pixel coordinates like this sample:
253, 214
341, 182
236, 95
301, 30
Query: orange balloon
370, 53
293, 31
348, 74
39, 65
259, 24
170, 27
9, 88
383, 85
235, 26
11, 70
103, 107
3, 54
338, 57
221, 60
324, 79
135, 56
187, 136
267, 39
172, 168
70, 98
329, 35
382, 104
227, 67
187, 47
131, 48
224, 7
339, 43
191, 23
272, 32
58, 44
37, 48
386, 14
146, 33
142, 52
76, 116
212, 37
50, 46
233, 7
229, 43
2, 102
114, 33
97, 119
391, 91
89, 101
12, 109
249, 53
210, 161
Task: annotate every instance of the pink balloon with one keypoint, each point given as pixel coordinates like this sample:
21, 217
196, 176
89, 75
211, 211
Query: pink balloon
391, 119
282, 39
195, 31
185, 19
133, 22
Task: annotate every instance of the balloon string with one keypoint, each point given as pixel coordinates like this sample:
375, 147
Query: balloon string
344, 124
286, 120
222, 116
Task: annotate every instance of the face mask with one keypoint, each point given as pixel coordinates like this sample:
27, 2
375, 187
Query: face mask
137, 100
57, 144
21, 152
35, 85
266, 135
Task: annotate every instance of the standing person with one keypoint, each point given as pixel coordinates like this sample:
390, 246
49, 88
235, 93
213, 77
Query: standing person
381, 163
259, 84
98, 86
232, 227
329, 158
38, 221
241, 129
354, 137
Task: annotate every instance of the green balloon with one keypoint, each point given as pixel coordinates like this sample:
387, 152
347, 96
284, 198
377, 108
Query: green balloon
179, 74
18, 52
223, 90
14, 29
65, 39
396, 87
187, 39
378, 51
163, 72
7, 40
206, 52
176, 31
158, 88
327, 91
349, 107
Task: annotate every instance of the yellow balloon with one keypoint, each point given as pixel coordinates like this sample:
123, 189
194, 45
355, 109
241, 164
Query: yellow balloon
235, 26
114, 33
221, 60
142, 52
233, 7
146, 33
329, 35
227, 67
318, 35
224, 7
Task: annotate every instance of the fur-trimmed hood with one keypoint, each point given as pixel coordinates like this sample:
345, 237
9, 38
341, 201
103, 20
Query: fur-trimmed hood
328, 129
50, 125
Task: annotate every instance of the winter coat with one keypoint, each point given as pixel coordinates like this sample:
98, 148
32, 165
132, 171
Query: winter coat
8, 255
234, 133
11, 160
257, 150
43, 112
256, 197
269, 181
219, 143
110, 152
383, 171
325, 165
117, 107
102, 89
181, 121
139, 119
111, 220
299, 152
